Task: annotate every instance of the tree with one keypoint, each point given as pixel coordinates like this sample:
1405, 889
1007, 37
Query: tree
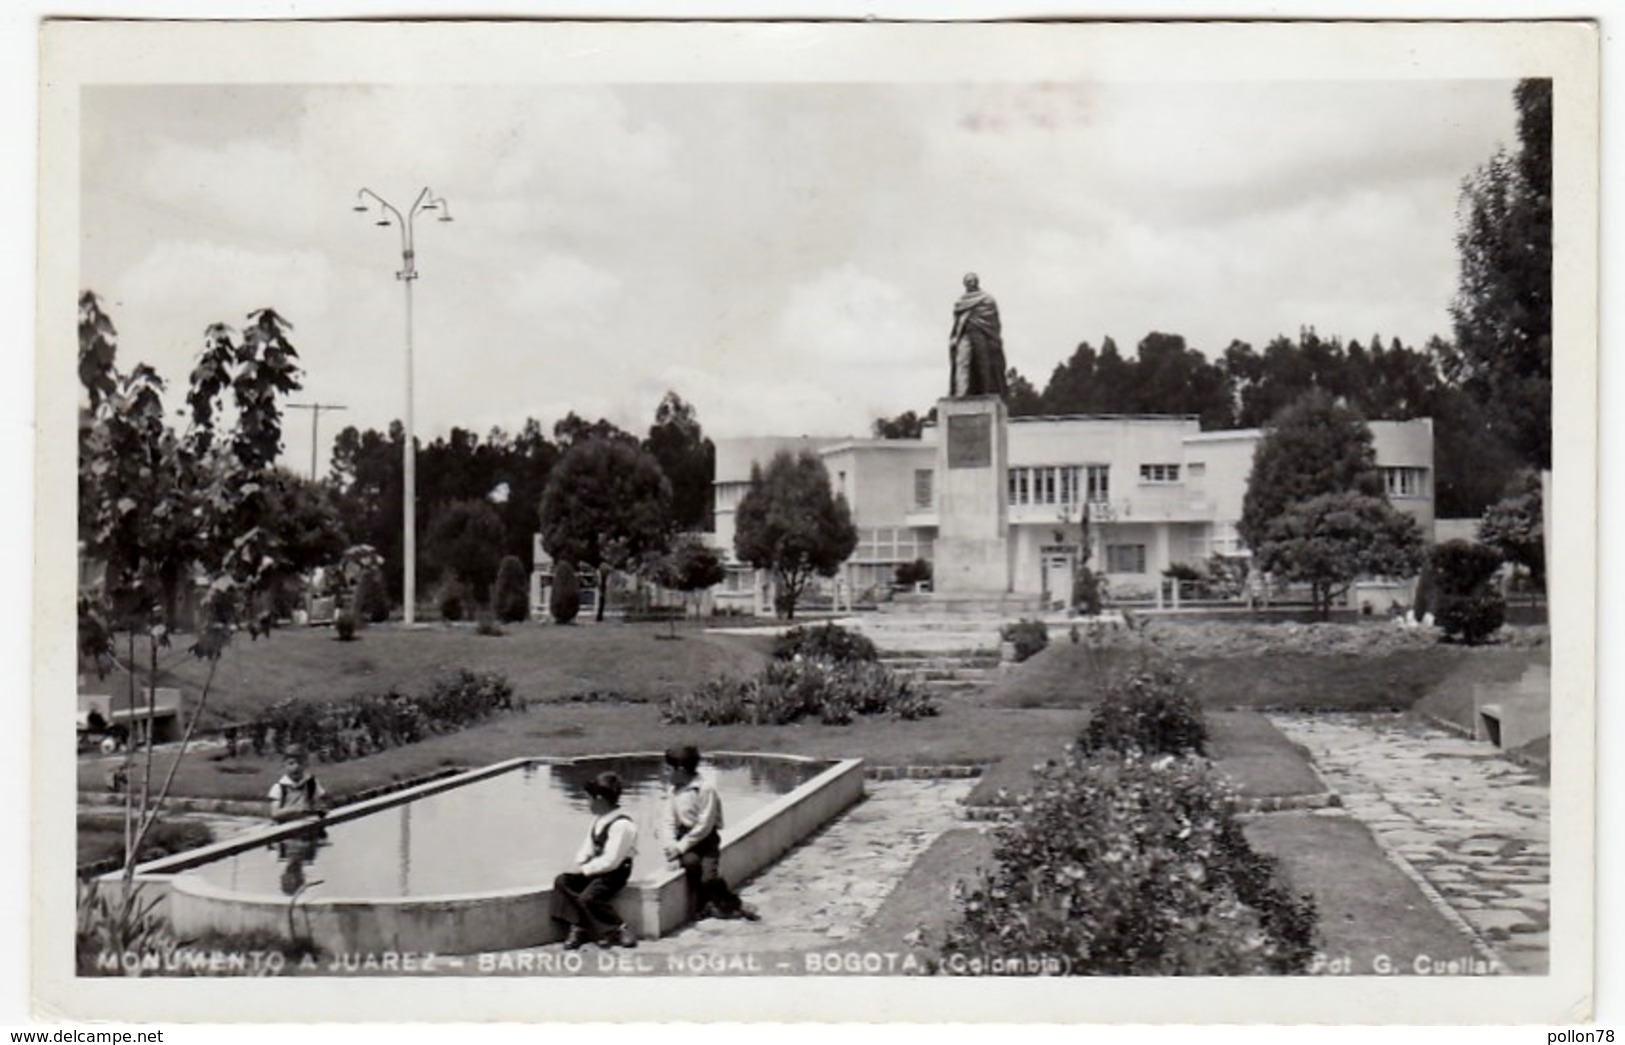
305, 527
906, 425
1329, 540
153, 501
791, 522
1502, 311
574, 429
689, 566
687, 457
512, 599
607, 504
1020, 395
368, 485
1465, 600
564, 598
1514, 526
1313, 447
465, 539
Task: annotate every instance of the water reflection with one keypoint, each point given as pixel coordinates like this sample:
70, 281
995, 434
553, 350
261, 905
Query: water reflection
514, 829
296, 853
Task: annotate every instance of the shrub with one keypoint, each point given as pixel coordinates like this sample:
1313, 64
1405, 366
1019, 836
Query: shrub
786, 691
1027, 636
908, 574
485, 623
1086, 591
511, 597
453, 598
1183, 571
824, 642
336, 730
372, 596
344, 624
1152, 710
107, 922
564, 601
458, 697
1473, 617
1467, 605
1128, 865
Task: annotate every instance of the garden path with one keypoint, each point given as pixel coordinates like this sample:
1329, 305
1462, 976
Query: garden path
825, 890
1474, 826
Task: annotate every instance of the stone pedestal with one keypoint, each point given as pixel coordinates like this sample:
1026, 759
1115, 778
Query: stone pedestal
972, 554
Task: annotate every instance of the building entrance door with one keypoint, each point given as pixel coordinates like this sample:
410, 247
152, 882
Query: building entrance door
1057, 563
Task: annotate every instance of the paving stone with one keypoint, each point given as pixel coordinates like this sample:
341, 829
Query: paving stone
1472, 824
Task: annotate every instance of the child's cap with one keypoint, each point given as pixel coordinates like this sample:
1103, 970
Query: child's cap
687, 756
607, 786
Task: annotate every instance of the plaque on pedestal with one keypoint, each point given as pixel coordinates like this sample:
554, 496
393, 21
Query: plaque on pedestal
972, 555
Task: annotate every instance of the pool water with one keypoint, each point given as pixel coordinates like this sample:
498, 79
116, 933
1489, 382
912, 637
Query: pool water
515, 829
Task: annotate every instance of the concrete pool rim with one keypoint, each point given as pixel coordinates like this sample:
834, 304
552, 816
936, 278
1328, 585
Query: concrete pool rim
488, 919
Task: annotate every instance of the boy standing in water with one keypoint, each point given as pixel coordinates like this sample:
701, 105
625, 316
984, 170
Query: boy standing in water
695, 817
582, 897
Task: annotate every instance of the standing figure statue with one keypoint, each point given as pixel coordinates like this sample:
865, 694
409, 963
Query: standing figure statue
976, 348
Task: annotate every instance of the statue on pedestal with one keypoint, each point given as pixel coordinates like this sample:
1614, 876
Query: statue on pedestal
976, 348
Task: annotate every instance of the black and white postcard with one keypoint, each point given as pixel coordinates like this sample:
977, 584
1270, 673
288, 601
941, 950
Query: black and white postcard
1069, 522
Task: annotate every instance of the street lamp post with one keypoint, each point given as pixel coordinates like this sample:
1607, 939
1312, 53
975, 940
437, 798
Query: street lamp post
426, 200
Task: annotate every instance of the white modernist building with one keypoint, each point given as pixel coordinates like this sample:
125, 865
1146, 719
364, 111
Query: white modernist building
1160, 491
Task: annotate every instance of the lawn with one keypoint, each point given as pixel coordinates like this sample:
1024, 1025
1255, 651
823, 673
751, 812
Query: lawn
544, 662
1395, 679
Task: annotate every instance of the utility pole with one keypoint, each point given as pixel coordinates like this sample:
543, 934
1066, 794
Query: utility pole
315, 419
426, 200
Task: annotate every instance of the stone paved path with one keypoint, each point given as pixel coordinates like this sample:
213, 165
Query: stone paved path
1475, 826
825, 890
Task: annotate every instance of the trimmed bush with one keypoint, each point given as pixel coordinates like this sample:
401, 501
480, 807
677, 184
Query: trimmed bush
372, 596
1027, 636
1467, 605
786, 691
564, 601
453, 598
485, 623
1127, 865
1152, 710
824, 642
511, 595
345, 625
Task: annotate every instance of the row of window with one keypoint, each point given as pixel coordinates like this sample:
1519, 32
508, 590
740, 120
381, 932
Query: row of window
1406, 482
1060, 484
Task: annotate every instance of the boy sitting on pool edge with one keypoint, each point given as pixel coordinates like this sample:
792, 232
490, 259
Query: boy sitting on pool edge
583, 897
694, 811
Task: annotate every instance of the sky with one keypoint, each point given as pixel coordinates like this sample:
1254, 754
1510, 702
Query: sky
784, 256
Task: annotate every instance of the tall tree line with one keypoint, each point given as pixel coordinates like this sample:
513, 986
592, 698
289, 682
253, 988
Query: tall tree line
507, 470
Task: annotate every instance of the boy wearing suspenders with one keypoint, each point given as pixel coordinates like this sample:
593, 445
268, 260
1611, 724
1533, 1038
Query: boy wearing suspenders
582, 897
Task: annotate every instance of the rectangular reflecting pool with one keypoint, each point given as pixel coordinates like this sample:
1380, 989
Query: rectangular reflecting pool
466, 863
516, 828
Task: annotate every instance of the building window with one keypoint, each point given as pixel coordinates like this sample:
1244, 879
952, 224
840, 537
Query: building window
1099, 476
1125, 558
1196, 469
922, 487
1406, 482
1159, 473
